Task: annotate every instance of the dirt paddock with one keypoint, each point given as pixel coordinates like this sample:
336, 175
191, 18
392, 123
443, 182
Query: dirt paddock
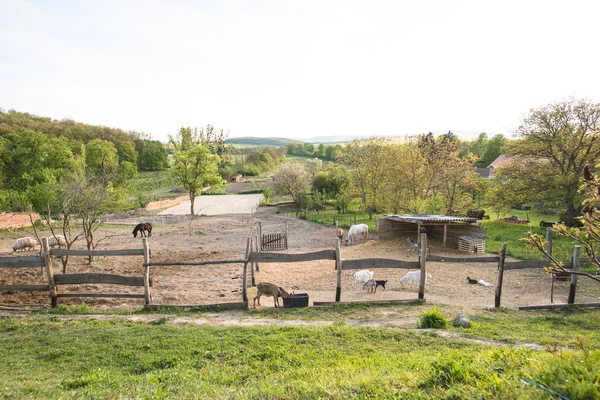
224, 237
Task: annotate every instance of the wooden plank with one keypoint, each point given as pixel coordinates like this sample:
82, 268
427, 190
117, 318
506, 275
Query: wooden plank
436, 258
26, 288
333, 303
558, 306
193, 263
526, 264
117, 295
501, 263
244, 271
338, 267
76, 279
22, 262
224, 306
278, 257
379, 263
147, 296
97, 253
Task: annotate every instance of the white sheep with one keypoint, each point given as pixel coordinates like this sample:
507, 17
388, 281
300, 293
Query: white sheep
25, 243
415, 276
59, 241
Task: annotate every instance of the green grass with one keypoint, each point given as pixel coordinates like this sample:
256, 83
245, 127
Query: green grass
154, 185
50, 358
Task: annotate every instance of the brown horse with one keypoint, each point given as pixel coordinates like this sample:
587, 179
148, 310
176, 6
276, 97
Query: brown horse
147, 226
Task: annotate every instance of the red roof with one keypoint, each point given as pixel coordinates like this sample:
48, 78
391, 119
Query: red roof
500, 160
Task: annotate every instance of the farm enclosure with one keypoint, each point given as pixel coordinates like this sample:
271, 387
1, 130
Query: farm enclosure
224, 237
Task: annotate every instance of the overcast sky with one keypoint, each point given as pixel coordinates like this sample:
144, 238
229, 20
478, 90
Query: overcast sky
297, 69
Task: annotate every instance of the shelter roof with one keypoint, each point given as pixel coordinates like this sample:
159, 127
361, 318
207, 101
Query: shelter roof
428, 218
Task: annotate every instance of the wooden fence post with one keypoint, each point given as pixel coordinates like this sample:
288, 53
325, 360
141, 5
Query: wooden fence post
548, 243
286, 234
260, 235
422, 260
500, 275
252, 244
244, 276
49, 272
147, 295
338, 266
573, 287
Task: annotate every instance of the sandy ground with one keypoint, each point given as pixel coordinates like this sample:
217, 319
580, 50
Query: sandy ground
224, 238
217, 205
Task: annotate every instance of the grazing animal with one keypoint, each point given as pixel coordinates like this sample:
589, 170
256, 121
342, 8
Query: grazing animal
413, 244
362, 276
484, 283
142, 228
414, 276
269, 289
341, 233
357, 231
546, 224
371, 286
25, 243
380, 283
58, 240
472, 281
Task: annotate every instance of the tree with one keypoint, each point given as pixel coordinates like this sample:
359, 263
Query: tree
313, 166
477, 147
368, 161
293, 180
153, 156
194, 166
588, 236
566, 134
493, 149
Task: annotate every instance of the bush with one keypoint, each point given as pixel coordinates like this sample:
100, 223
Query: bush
250, 191
432, 319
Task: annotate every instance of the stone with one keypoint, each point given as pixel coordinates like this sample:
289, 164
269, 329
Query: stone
461, 320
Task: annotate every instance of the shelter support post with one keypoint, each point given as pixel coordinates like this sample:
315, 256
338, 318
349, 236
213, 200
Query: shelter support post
422, 259
445, 234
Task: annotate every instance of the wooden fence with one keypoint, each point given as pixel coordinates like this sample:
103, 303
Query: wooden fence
24, 262
340, 265
46, 262
272, 241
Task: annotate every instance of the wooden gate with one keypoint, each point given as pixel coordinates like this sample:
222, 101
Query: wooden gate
273, 241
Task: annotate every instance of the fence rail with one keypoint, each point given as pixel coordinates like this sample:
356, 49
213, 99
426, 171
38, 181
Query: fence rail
374, 263
22, 262
278, 257
78, 279
94, 253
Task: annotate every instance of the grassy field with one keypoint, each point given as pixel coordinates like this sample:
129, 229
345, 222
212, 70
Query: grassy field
45, 357
154, 185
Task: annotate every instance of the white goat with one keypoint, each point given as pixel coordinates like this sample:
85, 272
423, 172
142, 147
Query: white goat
356, 231
59, 241
362, 276
415, 276
25, 243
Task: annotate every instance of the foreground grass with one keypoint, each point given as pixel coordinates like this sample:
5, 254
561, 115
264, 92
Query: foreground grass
46, 358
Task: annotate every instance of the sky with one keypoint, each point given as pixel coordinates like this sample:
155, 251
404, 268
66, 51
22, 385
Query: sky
297, 69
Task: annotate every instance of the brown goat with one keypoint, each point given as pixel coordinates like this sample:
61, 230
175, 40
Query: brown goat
341, 233
269, 289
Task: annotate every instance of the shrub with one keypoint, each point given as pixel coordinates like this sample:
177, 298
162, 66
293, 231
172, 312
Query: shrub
432, 319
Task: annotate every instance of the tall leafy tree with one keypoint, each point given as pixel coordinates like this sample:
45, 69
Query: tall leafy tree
194, 165
566, 134
293, 180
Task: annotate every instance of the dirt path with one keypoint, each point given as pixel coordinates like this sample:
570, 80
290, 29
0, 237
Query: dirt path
242, 319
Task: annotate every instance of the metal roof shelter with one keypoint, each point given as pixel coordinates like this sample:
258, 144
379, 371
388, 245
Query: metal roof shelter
435, 225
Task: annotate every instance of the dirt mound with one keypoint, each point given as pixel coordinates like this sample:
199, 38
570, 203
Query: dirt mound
16, 220
160, 204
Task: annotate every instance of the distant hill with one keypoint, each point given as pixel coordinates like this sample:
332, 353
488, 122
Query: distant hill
258, 141
333, 139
